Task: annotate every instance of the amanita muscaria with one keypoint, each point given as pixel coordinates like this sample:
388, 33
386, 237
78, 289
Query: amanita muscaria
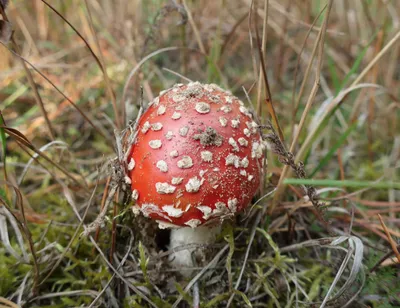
197, 160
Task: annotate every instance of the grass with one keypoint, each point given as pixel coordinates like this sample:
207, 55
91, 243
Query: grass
329, 76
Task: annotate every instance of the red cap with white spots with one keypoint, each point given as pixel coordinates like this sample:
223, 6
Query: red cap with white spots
197, 158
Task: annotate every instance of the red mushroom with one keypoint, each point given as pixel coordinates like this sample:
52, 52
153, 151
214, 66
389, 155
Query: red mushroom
197, 158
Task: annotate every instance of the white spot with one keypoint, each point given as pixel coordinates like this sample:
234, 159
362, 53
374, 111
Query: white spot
135, 194
220, 208
136, 210
172, 211
193, 185
185, 163
131, 164
206, 156
243, 142
176, 116
202, 172
245, 111
161, 110
166, 225
235, 123
244, 163
165, 188
226, 109
128, 180
162, 165
188, 207
174, 153
169, 135
223, 121
155, 101
146, 127
183, 131
176, 181
233, 143
216, 169
155, 144
156, 126
178, 98
232, 159
229, 99
150, 208
254, 127
246, 131
257, 150
206, 210
243, 172
202, 107
232, 204
250, 177
193, 223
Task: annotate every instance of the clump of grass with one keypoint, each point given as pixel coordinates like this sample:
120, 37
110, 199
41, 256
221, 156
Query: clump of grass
80, 70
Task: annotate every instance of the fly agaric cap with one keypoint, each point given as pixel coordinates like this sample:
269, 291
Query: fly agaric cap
197, 157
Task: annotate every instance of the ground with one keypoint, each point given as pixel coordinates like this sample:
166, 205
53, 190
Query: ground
322, 76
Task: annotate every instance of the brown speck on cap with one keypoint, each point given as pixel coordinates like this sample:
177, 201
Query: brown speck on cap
209, 137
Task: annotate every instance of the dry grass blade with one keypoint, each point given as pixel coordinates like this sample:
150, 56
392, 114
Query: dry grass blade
22, 140
320, 42
119, 120
268, 100
137, 67
99, 63
5, 303
59, 91
390, 239
30, 79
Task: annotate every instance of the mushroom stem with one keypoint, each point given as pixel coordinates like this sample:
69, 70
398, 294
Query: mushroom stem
183, 259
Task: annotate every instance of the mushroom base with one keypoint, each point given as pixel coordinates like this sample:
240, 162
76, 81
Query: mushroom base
184, 259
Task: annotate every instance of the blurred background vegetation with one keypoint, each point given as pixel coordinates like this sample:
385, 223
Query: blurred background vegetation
334, 76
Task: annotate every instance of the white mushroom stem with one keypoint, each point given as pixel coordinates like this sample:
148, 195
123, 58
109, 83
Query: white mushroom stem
183, 259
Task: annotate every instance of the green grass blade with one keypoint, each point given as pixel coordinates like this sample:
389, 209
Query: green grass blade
334, 149
344, 183
356, 64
